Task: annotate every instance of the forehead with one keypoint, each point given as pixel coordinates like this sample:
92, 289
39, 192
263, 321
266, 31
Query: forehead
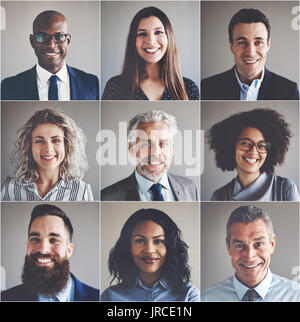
250, 231
156, 129
250, 30
150, 23
252, 133
47, 129
51, 24
148, 228
44, 225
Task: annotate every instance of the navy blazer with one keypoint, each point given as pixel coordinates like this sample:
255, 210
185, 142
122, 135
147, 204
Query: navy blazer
83, 86
183, 188
225, 86
82, 292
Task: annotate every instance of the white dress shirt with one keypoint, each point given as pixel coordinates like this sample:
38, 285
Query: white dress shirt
63, 83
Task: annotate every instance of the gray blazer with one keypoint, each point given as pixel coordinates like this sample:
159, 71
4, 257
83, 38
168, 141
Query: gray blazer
127, 189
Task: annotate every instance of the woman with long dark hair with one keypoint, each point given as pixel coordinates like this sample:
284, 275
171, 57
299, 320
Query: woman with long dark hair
150, 261
151, 69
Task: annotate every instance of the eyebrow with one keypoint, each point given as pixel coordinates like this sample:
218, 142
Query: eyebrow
38, 234
235, 240
52, 137
142, 29
244, 38
140, 235
246, 138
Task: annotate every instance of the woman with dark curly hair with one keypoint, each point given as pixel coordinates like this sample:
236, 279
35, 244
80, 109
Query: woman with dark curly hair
49, 160
253, 143
150, 261
151, 69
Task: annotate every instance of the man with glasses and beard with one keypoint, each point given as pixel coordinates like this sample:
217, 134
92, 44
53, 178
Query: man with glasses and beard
46, 273
150, 137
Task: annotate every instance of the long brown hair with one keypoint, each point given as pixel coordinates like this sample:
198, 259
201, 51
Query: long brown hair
134, 65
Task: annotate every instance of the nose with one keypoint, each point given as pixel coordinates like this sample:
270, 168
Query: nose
249, 253
51, 43
149, 248
48, 146
155, 149
150, 38
45, 247
251, 50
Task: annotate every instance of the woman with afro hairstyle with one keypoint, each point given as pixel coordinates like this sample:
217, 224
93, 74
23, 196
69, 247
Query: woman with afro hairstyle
253, 143
150, 261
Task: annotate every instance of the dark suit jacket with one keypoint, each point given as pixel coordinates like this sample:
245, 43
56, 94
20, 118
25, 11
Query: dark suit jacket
83, 86
225, 86
18, 293
127, 189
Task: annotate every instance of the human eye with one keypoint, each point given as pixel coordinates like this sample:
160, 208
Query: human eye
60, 37
34, 240
158, 32
54, 240
259, 43
56, 140
158, 241
245, 143
38, 141
241, 43
141, 34
139, 240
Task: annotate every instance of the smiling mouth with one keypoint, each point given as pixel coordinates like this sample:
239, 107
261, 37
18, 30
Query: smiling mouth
48, 157
251, 160
250, 267
250, 61
149, 260
151, 50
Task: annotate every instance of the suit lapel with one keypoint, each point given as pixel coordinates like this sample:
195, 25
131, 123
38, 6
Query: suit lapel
132, 193
176, 188
30, 87
264, 86
74, 84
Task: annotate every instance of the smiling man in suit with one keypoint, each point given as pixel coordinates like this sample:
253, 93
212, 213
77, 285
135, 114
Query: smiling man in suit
249, 41
51, 78
150, 137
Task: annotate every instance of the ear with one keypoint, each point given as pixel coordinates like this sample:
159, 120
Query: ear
268, 44
230, 46
228, 246
32, 41
131, 148
273, 242
70, 249
68, 39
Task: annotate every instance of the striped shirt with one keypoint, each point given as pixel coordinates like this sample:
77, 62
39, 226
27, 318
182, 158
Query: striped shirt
74, 190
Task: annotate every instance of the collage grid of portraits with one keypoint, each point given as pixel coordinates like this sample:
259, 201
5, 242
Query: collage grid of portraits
218, 115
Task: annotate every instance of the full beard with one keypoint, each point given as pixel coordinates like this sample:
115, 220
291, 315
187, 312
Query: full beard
153, 175
44, 280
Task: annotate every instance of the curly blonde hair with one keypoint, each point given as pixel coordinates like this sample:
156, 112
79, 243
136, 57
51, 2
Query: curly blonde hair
75, 162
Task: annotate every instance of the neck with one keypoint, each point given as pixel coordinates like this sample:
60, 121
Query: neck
246, 179
153, 71
155, 180
149, 279
47, 178
249, 79
51, 69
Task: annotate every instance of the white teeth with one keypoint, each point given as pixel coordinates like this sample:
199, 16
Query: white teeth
50, 54
251, 266
155, 163
148, 50
251, 160
48, 158
44, 260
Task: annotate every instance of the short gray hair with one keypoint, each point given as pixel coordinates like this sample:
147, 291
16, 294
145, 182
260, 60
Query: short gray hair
247, 214
148, 117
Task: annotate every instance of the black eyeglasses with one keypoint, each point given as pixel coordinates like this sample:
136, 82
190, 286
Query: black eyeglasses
43, 38
247, 145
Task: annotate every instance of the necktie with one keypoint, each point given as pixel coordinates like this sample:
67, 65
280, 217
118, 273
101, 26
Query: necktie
251, 295
53, 91
156, 190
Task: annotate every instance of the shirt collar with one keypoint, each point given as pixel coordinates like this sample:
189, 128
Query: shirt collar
160, 283
256, 82
65, 295
43, 75
261, 288
60, 183
145, 184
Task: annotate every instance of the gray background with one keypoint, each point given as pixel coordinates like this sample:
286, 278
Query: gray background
84, 262
116, 17
215, 261
216, 57
212, 177
185, 215
17, 55
86, 115
188, 118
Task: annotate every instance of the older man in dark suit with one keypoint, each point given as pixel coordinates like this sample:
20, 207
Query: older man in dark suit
249, 37
51, 78
150, 138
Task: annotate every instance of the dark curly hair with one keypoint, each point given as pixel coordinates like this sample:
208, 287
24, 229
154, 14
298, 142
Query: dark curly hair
223, 135
175, 268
